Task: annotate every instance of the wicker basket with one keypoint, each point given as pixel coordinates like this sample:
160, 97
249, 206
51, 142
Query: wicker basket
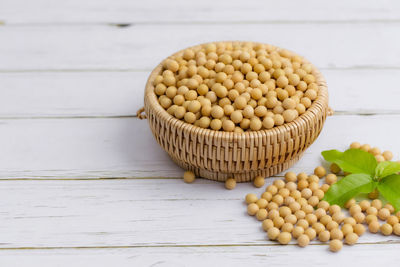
219, 155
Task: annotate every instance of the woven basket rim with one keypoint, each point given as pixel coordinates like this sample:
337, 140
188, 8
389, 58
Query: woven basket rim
318, 105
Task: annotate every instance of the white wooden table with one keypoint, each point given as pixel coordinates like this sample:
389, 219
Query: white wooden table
83, 182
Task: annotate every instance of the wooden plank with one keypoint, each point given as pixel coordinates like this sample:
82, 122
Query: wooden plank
71, 94
94, 94
207, 11
142, 47
120, 213
362, 91
365, 255
125, 147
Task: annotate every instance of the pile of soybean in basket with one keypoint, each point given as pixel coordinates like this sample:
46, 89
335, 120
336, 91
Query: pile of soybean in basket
236, 86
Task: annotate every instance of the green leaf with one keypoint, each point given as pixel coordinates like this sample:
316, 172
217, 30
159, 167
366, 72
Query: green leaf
332, 155
387, 168
389, 187
349, 187
352, 160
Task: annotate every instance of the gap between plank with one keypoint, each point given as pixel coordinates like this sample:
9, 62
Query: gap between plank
390, 242
134, 116
332, 68
198, 22
41, 178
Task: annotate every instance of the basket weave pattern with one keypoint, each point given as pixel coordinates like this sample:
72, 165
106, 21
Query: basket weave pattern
219, 155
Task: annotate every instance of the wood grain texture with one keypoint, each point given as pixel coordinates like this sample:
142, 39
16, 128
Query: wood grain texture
138, 48
357, 256
125, 147
131, 213
206, 11
114, 94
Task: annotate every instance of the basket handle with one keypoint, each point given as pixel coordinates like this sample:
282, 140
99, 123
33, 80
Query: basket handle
141, 114
330, 111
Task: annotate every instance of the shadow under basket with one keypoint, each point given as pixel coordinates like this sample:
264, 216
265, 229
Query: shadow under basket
218, 155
